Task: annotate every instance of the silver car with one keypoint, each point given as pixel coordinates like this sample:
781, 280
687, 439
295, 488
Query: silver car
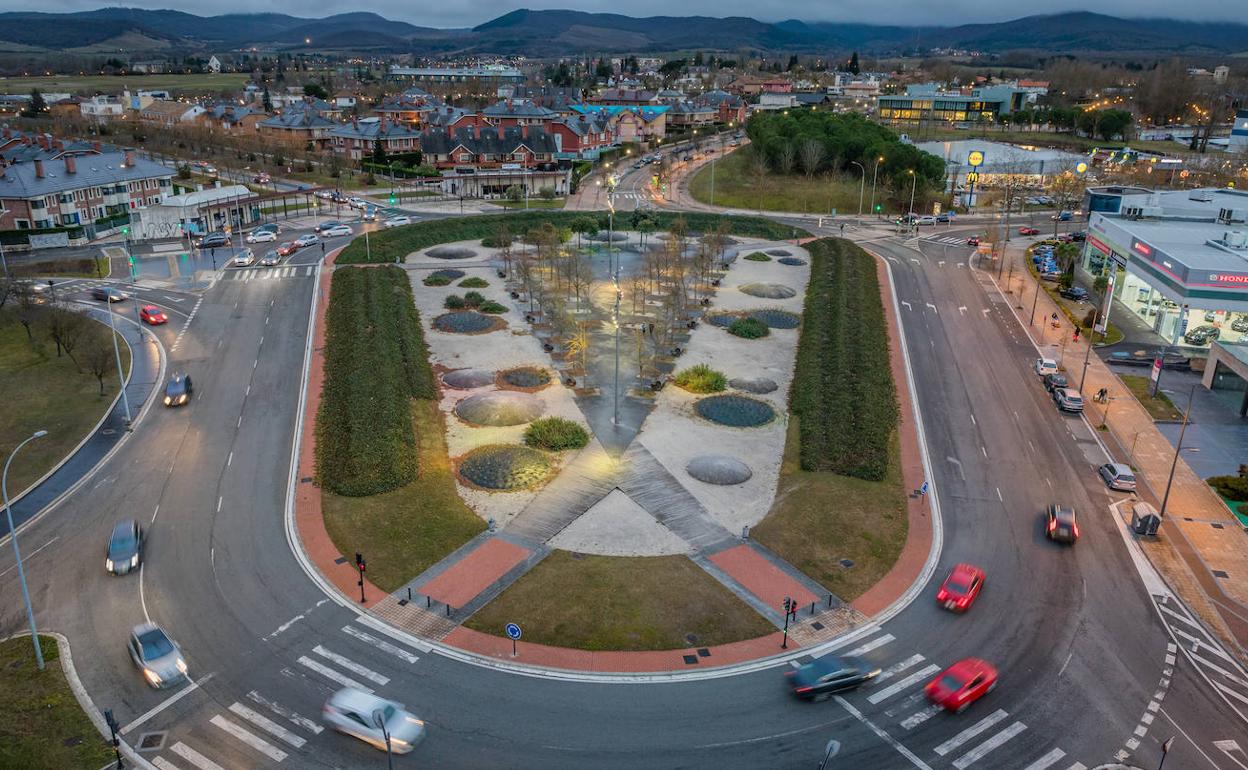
1068, 399
362, 715
1118, 476
156, 655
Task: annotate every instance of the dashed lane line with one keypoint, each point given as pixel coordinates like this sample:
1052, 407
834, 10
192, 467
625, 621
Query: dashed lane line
1047, 761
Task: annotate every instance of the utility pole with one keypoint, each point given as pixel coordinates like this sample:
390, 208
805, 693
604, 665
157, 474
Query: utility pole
121, 376
21, 573
862, 187
1177, 448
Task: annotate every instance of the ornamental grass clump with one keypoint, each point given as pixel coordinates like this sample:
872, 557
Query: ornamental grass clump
555, 434
749, 328
701, 378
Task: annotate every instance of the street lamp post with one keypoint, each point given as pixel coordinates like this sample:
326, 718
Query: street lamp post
862, 187
914, 182
874, 174
379, 719
1187, 413
17, 553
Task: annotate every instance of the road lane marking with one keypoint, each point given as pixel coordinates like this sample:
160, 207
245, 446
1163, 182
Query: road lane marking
897, 668
194, 757
163, 764
285, 713
230, 460
220, 499
980, 751
268, 725
971, 732
999, 497
1231, 693
28, 556
1209, 664
166, 703
902, 684
874, 644
249, 738
1166, 609
919, 717
381, 644
351, 665
883, 735
1198, 643
1048, 760
332, 675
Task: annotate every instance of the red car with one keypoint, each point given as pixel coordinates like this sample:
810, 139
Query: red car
1028, 231
287, 248
963, 683
973, 240
960, 589
150, 314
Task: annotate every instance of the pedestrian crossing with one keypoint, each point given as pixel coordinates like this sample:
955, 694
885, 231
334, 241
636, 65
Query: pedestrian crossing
269, 273
948, 240
1223, 672
263, 730
897, 694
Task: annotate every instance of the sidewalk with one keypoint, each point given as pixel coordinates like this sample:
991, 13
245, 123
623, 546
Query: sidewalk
1198, 527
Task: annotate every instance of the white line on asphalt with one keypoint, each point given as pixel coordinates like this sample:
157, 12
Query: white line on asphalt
166, 703
1065, 664
999, 497
285, 713
194, 757
874, 644
331, 674
919, 717
382, 644
1164, 608
897, 668
906, 703
1198, 643
971, 732
1141, 731
884, 736
219, 500
230, 460
1048, 760
351, 665
1078, 766
28, 556
984, 450
255, 363
973, 420
933, 307
268, 725
240, 422
261, 340
247, 392
980, 751
161, 763
249, 738
153, 521
1209, 664
902, 684
1231, 693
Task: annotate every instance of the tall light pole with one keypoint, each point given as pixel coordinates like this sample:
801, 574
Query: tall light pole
862, 186
875, 173
914, 182
379, 719
121, 377
21, 573
1177, 448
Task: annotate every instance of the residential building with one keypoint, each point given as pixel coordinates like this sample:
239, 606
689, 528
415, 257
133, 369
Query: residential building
298, 126
102, 108
1221, 73
511, 112
729, 108
18, 147
78, 189
556, 98
169, 114
582, 137
495, 182
625, 97
410, 107
356, 140
490, 74
489, 147
345, 100
770, 101
451, 118
630, 124
1239, 132
690, 114
233, 118
153, 67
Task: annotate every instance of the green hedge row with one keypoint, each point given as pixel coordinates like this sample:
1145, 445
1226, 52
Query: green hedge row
843, 391
396, 243
375, 363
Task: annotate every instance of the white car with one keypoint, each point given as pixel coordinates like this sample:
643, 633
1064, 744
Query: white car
325, 194
337, 230
396, 222
261, 236
356, 203
356, 713
244, 258
305, 241
1045, 366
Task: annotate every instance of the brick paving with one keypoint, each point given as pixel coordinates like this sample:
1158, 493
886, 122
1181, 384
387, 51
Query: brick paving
762, 578
473, 573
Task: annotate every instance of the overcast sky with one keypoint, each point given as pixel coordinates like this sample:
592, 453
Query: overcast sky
466, 13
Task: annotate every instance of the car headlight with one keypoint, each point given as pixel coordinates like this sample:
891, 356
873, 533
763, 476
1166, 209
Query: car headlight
151, 675
181, 664
108, 564
182, 399
168, 401
134, 560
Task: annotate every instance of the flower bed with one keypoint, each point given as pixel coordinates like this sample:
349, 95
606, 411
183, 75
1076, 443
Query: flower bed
467, 322
442, 277
524, 378
736, 411
504, 467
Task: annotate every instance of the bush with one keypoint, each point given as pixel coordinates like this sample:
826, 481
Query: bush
555, 434
701, 378
490, 306
375, 362
436, 280
454, 302
473, 298
474, 283
843, 392
749, 328
758, 256
1231, 487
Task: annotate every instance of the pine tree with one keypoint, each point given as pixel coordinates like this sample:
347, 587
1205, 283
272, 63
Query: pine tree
267, 103
37, 103
379, 152
853, 64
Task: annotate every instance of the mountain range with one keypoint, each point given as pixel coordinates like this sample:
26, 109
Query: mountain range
561, 32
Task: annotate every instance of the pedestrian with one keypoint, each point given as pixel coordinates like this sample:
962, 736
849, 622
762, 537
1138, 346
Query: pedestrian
842, 229
322, 248
1076, 334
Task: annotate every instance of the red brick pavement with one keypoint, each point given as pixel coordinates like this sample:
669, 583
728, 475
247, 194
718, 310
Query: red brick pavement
762, 578
472, 574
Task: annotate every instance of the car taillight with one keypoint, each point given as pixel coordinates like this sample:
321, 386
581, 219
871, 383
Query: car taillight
1052, 524
942, 595
804, 689
965, 600
1076, 529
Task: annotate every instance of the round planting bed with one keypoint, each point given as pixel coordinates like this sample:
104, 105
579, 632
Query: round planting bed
791, 261
467, 379
778, 252
753, 384
719, 469
500, 409
776, 319
768, 290
524, 378
451, 252
447, 274
504, 467
736, 411
467, 322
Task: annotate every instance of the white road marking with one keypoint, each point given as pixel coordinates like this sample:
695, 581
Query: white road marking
980, 751
381, 644
162, 763
268, 725
971, 732
973, 420
884, 736
1166, 609
230, 460
1198, 643
933, 307
1141, 731
962, 309
166, 703
285, 713
1078, 766
919, 717
874, 644
249, 738
902, 684
907, 304
999, 497
1048, 760
332, 675
351, 665
28, 556
219, 501
897, 668
1207, 664
905, 704
194, 757
1231, 693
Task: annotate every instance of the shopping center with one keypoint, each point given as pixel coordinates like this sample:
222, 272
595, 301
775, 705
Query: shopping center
1176, 258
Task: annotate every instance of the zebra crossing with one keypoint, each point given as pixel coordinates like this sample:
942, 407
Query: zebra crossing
897, 692
269, 273
945, 239
267, 731
1228, 679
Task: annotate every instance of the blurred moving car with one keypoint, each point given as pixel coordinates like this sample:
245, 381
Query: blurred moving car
398, 221
156, 655
973, 240
1060, 525
178, 390
152, 315
963, 683
287, 248
361, 715
244, 258
125, 547
214, 240
108, 294
824, 676
337, 230
1025, 230
961, 587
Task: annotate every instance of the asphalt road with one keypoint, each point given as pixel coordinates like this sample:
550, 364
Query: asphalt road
1080, 648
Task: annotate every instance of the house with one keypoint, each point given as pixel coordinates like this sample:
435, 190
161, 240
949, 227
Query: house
154, 67
488, 147
344, 100
518, 113
214, 65
357, 139
689, 114
809, 98
582, 137
102, 108
298, 127
490, 74
169, 114
18, 147
233, 118
729, 108
626, 97
79, 189
630, 124
774, 101
410, 107
452, 118
556, 98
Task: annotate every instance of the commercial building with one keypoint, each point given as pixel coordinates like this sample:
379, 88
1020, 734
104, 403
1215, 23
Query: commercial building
926, 102
1033, 166
1239, 132
490, 74
1177, 259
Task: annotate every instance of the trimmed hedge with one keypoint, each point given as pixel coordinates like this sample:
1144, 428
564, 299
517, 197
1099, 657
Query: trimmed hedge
474, 282
387, 246
843, 392
555, 434
701, 378
375, 362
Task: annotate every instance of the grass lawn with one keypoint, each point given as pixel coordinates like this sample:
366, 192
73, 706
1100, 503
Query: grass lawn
407, 530
738, 185
820, 518
620, 603
230, 81
43, 725
534, 203
273, 210
1159, 407
43, 392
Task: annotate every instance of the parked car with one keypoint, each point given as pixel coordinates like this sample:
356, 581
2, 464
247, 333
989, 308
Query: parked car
1202, 335
261, 236
1068, 399
1054, 381
215, 240
1045, 366
178, 390
357, 202
1118, 476
337, 230
1240, 324
270, 258
152, 315
1077, 293
307, 240
1052, 276
108, 294
961, 587
1060, 525
1175, 361
945, 216
156, 655
926, 219
355, 713
963, 683
1078, 236
288, 248
824, 676
1025, 230
125, 547
398, 221
244, 258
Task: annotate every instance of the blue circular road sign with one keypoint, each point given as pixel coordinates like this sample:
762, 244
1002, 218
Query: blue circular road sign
513, 631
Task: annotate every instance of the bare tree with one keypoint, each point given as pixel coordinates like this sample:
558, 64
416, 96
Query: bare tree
99, 357
785, 158
28, 309
65, 327
811, 153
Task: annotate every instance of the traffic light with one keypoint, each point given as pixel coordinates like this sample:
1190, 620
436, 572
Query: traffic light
393, 199
359, 561
879, 207
125, 229
788, 605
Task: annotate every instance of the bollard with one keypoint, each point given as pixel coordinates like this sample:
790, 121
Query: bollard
428, 602
409, 593
829, 600
812, 608
448, 610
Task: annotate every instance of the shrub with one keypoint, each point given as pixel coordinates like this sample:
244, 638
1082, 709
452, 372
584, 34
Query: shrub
555, 434
473, 298
490, 306
749, 328
436, 280
1231, 487
758, 256
505, 467
454, 302
474, 282
701, 378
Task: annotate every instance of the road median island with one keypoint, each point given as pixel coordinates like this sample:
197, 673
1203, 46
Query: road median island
43, 725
